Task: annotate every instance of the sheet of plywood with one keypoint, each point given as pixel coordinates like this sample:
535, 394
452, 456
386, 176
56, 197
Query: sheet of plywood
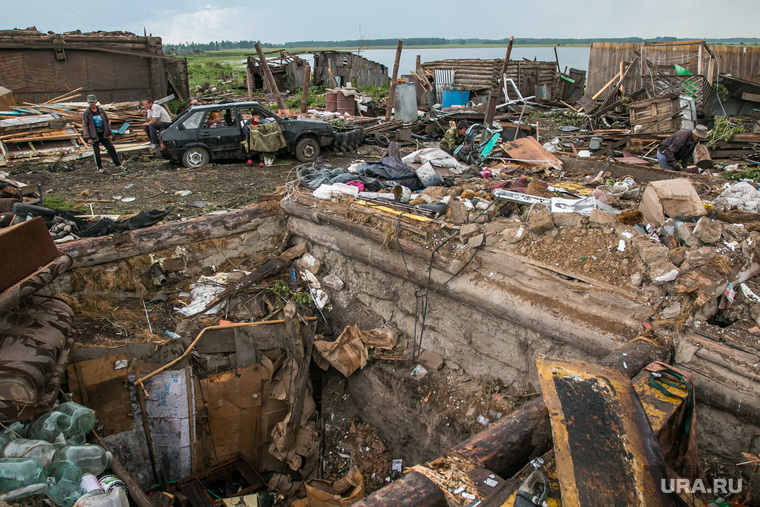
528, 149
100, 384
233, 402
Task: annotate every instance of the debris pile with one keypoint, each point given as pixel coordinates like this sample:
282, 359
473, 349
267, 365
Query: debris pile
52, 132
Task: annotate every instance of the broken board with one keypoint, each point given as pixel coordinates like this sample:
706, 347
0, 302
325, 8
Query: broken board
233, 405
605, 449
98, 384
528, 150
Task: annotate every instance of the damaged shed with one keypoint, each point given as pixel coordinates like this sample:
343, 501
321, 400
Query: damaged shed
482, 76
116, 66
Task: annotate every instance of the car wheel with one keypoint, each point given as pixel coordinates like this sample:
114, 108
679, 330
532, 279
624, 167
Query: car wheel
195, 157
307, 150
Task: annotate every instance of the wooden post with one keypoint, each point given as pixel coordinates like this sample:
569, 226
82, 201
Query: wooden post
392, 91
249, 77
268, 75
622, 76
556, 58
504, 66
306, 82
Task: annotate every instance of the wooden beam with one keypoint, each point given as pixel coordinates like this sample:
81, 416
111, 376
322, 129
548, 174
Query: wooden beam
392, 91
505, 65
752, 97
614, 78
268, 75
305, 85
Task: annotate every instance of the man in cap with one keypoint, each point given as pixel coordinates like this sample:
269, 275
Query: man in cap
96, 130
453, 137
675, 152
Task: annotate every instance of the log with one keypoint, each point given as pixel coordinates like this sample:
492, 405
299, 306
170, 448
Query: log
506, 446
306, 83
413, 489
393, 81
702, 156
268, 76
93, 251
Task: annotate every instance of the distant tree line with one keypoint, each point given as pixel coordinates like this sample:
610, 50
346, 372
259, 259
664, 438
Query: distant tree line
426, 41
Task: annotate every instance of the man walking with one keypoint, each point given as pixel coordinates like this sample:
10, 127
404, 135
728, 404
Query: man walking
96, 130
158, 119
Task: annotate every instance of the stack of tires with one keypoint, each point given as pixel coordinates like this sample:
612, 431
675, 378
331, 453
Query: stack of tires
349, 140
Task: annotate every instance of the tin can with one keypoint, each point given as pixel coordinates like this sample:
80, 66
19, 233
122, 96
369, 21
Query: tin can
109, 482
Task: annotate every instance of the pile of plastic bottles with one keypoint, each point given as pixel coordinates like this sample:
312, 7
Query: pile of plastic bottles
50, 455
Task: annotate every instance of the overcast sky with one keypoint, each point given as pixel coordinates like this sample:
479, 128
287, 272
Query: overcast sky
293, 20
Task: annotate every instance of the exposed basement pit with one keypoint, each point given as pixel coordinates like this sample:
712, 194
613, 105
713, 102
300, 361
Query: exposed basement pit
488, 318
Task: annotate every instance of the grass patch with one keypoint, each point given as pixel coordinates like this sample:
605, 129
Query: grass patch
59, 203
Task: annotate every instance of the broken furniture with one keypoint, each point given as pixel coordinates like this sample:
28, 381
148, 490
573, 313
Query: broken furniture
36, 332
231, 478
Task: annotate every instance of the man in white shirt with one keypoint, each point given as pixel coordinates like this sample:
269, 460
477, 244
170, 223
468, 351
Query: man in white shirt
158, 119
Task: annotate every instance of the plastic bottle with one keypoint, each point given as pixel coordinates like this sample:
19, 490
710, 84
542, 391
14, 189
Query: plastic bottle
114, 498
64, 479
19, 472
172, 334
91, 459
39, 450
82, 418
48, 426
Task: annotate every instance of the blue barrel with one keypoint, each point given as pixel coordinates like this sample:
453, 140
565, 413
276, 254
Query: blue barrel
452, 97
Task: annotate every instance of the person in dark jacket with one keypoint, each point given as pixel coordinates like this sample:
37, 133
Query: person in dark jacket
675, 152
96, 130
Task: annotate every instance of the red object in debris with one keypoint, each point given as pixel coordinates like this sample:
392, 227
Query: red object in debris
225, 323
357, 184
646, 325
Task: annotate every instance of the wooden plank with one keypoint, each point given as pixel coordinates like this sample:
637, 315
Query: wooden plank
752, 97
233, 404
617, 461
101, 387
614, 78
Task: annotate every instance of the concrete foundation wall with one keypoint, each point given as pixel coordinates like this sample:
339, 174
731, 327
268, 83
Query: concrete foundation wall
480, 323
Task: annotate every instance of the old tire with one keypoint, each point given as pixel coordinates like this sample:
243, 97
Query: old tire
195, 157
307, 150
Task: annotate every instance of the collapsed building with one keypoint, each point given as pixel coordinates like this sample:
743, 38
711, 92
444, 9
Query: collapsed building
214, 393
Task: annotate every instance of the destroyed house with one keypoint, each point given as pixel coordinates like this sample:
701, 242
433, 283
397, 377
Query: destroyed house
116, 66
480, 77
347, 67
689, 68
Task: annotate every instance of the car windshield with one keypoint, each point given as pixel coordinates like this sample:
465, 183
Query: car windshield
193, 121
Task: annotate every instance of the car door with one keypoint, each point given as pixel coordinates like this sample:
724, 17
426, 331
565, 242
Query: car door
223, 137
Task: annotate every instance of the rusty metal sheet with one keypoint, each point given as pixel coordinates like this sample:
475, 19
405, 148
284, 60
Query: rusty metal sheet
605, 449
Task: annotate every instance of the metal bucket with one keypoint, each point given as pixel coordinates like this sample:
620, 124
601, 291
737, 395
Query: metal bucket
331, 102
429, 175
346, 104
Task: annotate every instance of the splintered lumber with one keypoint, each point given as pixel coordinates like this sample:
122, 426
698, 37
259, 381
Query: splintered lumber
264, 66
306, 83
505, 446
394, 79
270, 268
597, 94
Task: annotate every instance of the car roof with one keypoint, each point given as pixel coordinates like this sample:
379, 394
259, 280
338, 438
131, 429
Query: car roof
228, 104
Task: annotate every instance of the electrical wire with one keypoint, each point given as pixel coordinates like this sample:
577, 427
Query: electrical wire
421, 297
